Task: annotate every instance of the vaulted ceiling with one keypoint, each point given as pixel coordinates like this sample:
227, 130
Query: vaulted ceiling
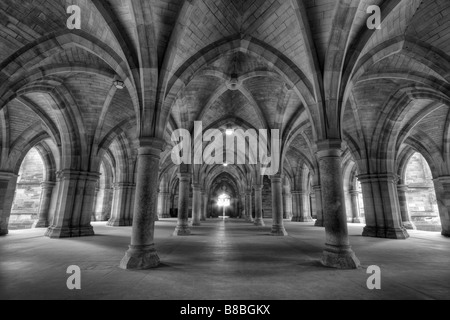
262, 64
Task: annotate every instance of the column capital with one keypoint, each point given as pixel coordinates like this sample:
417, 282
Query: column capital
6, 175
354, 192
74, 175
258, 187
388, 176
197, 187
48, 185
123, 185
151, 146
402, 187
184, 176
443, 179
276, 178
317, 188
329, 148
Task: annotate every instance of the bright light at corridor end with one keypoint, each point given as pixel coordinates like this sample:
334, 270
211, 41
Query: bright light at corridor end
225, 164
229, 132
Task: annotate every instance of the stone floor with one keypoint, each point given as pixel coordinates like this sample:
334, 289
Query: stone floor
234, 261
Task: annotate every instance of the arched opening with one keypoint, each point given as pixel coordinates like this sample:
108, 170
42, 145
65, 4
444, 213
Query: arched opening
27, 196
421, 195
104, 194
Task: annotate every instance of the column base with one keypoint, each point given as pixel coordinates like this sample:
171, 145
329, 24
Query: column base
41, 224
165, 216
65, 232
356, 220
140, 258
119, 223
182, 231
295, 219
339, 257
319, 223
259, 222
203, 219
305, 219
444, 233
196, 224
3, 232
249, 219
156, 219
389, 233
408, 225
278, 231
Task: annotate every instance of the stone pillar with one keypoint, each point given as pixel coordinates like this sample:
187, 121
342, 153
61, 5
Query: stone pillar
287, 205
381, 206
182, 228
404, 210
44, 207
296, 205
354, 194
319, 208
196, 204
277, 207
337, 253
248, 206
8, 182
259, 219
165, 205
204, 205
142, 253
305, 208
442, 188
74, 205
121, 208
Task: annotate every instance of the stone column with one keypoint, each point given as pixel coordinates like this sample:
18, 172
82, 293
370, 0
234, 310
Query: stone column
8, 182
442, 187
107, 203
120, 212
74, 205
259, 219
305, 208
287, 205
319, 208
404, 210
381, 206
44, 207
165, 207
204, 205
248, 206
196, 204
296, 205
277, 207
354, 194
182, 228
337, 253
142, 253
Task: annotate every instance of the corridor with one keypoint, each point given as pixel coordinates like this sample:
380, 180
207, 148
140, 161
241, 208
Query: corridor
233, 260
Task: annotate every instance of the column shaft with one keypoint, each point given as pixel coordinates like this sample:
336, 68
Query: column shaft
44, 207
354, 194
204, 205
75, 204
442, 187
404, 210
259, 219
277, 207
319, 207
142, 253
381, 206
196, 204
182, 228
8, 182
337, 253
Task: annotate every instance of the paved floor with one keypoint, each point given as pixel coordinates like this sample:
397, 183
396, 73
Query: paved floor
234, 261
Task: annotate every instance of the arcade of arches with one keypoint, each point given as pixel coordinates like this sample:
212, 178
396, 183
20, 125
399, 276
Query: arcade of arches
363, 116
